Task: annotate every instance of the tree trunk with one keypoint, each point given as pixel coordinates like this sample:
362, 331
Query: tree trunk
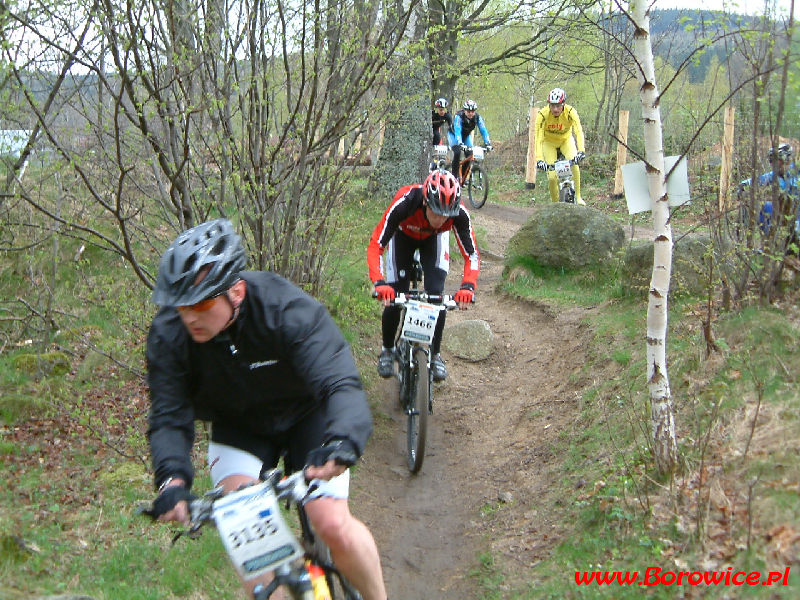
407, 139
661, 406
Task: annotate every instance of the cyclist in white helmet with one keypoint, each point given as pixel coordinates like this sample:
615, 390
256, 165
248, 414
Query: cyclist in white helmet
464, 123
439, 116
556, 124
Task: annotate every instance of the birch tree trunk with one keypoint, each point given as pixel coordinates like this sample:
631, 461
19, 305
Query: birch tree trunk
661, 406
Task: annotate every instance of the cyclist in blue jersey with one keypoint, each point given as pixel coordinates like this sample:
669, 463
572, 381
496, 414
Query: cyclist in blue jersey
786, 172
464, 123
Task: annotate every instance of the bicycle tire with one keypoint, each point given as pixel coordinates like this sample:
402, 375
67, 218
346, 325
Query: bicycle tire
401, 376
417, 410
567, 194
477, 186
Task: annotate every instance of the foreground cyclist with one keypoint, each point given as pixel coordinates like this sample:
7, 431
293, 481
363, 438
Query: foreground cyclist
266, 365
420, 217
555, 125
464, 123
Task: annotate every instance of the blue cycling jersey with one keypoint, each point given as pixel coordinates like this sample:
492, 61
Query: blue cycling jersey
463, 128
789, 183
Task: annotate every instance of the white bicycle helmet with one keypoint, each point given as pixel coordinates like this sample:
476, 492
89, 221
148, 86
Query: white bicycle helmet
557, 96
441, 103
470, 105
783, 153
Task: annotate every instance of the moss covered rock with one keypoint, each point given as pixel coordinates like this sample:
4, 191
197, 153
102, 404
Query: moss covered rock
566, 236
48, 363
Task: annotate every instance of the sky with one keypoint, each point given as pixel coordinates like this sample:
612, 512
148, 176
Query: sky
739, 6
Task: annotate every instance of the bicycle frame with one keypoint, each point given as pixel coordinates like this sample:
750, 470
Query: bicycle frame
566, 184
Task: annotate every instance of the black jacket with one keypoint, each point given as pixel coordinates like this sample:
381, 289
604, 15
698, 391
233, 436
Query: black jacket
438, 121
282, 358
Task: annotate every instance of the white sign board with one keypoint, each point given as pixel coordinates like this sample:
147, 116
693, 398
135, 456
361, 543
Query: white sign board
637, 194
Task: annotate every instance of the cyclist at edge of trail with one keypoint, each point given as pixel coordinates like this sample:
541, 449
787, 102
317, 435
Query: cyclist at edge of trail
464, 123
439, 116
421, 217
555, 126
788, 185
265, 363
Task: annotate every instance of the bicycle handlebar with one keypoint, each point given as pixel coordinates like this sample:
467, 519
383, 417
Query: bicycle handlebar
293, 489
552, 166
446, 300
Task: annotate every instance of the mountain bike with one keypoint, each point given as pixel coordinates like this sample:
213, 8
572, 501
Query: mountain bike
439, 155
566, 185
473, 174
412, 357
258, 539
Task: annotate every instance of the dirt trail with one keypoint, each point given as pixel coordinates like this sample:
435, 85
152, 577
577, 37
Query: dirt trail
488, 441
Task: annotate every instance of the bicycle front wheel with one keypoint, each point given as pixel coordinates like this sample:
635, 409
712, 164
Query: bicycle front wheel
417, 411
477, 186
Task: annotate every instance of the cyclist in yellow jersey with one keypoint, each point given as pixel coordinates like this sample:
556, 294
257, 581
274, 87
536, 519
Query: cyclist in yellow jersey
555, 126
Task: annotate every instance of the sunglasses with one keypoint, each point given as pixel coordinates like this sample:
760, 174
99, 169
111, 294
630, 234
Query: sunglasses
202, 306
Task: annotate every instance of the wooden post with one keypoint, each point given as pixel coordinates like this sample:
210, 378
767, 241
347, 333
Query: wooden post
622, 152
530, 167
727, 157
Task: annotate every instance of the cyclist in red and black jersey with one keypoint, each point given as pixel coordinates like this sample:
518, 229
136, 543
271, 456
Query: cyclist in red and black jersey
421, 217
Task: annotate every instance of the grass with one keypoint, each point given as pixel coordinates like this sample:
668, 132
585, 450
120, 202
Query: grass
624, 517
74, 455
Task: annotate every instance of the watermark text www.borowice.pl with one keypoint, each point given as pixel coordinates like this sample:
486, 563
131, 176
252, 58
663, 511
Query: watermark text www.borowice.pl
657, 576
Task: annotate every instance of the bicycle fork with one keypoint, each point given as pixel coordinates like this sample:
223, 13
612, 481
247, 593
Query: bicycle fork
407, 374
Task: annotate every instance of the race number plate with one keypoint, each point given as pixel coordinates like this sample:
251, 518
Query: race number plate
563, 168
420, 322
477, 152
253, 531
440, 151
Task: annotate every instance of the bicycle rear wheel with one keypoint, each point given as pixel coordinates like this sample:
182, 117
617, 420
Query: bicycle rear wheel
417, 410
477, 186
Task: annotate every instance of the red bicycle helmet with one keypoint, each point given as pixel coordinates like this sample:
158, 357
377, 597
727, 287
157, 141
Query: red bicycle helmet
443, 193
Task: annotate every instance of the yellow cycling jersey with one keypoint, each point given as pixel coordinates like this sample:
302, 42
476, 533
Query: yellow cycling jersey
556, 130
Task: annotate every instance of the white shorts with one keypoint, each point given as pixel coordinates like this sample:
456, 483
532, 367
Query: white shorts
224, 461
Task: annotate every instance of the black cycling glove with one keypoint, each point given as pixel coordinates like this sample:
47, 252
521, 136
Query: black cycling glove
167, 500
341, 451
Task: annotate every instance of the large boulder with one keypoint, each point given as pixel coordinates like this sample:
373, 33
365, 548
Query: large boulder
566, 235
470, 340
689, 266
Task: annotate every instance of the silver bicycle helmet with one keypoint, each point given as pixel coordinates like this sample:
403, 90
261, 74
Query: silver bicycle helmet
441, 103
213, 245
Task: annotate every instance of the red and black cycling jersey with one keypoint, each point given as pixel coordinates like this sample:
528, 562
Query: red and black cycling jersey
406, 213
